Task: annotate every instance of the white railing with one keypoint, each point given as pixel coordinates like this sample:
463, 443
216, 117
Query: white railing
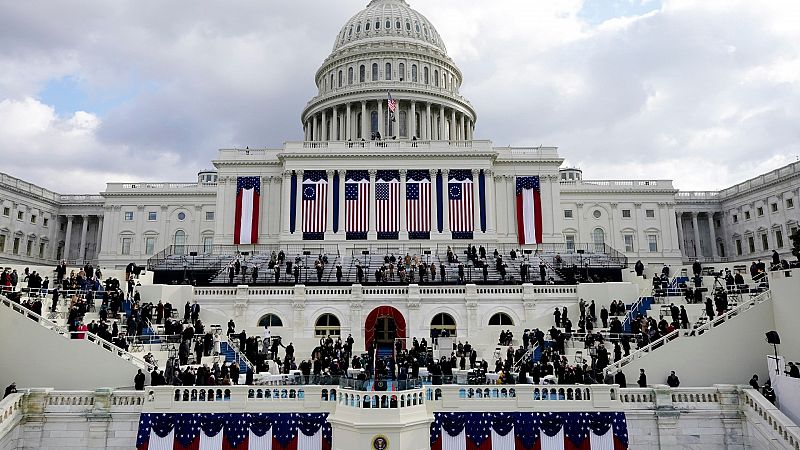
740, 308
514, 397
87, 336
770, 417
311, 398
639, 353
11, 412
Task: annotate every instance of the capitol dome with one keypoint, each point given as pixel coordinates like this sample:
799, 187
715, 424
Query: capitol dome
388, 18
388, 48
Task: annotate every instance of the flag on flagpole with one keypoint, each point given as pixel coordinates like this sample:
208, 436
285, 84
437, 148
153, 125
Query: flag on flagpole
245, 228
392, 105
529, 210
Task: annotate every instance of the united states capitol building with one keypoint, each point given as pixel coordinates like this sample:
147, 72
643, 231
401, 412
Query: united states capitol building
389, 167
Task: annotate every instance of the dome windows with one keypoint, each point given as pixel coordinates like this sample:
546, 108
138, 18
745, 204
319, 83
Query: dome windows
435, 78
377, 24
425, 73
350, 33
366, 26
401, 72
408, 26
375, 72
350, 75
388, 74
397, 24
414, 73
416, 26
362, 75
388, 24
358, 28
340, 78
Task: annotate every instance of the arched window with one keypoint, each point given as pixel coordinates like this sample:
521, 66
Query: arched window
341, 77
401, 71
599, 239
414, 73
270, 320
416, 26
366, 26
377, 24
327, 325
374, 121
362, 74
425, 75
408, 26
332, 85
180, 242
435, 78
375, 72
388, 24
350, 75
501, 319
444, 321
388, 72
358, 27
397, 24
350, 33
403, 125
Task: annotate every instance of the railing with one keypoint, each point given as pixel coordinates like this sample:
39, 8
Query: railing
381, 400
740, 308
310, 398
355, 384
87, 336
771, 417
555, 397
658, 184
639, 353
11, 412
233, 343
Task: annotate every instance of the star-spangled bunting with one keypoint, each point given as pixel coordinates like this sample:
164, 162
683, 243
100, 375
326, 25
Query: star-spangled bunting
527, 183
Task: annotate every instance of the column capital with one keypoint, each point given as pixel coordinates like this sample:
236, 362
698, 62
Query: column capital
637, 205
614, 206
476, 172
267, 180
329, 172
70, 217
579, 205
372, 172
402, 172
287, 173
363, 102
445, 172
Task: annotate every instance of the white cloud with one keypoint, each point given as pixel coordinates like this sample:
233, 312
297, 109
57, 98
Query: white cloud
704, 92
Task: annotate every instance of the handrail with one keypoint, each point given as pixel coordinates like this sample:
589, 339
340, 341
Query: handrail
64, 332
615, 367
772, 416
234, 344
527, 354
741, 307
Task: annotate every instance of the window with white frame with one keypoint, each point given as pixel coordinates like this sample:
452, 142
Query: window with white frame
209, 215
570, 241
208, 244
628, 239
650, 213
126, 246
789, 203
626, 213
568, 214
127, 216
151, 216
778, 238
149, 245
652, 242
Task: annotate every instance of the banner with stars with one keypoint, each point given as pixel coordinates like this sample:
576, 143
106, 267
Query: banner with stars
529, 210
241, 431
529, 431
245, 226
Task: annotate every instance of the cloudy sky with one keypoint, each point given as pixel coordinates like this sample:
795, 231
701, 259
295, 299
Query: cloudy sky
703, 92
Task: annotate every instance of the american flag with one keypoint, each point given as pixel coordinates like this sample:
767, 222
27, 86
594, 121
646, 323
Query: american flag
392, 104
356, 199
236, 431
387, 204
418, 204
315, 202
462, 217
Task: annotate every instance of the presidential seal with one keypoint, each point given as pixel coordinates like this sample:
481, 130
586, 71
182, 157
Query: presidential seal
380, 442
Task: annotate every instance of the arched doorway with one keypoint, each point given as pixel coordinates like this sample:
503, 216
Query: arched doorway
382, 326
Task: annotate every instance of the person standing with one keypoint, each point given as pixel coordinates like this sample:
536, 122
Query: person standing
138, 381
672, 380
642, 379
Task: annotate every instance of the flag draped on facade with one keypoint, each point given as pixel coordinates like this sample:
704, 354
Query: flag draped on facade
387, 204
315, 204
529, 210
245, 228
529, 431
461, 197
356, 198
418, 204
239, 431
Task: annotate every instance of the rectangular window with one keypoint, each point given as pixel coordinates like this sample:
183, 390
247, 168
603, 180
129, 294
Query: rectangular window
717, 223
789, 203
626, 213
16, 246
2, 243
33, 218
41, 250
208, 244
209, 215
568, 214
29, 248
764, 242
20, 215
128, 216
628, 238
652, 242
774, 207
751, 243
739, 247
649, 213
126, 246
779, 238
760, 211
149, 245
45, 222
151, 216
6, 211
735, 218
63, 227
747, 215
570, 239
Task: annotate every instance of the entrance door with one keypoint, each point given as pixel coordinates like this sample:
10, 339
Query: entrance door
385, 331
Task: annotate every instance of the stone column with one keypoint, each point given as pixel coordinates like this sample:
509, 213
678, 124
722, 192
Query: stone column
363, 119
698, 250
679, 220
453, 134
441, 123
470, 129
373, 231
335, 124
329, 206
341, 200
428, 121
99, 238
476, 197
349, 133
68, 237
84, 229
298, 210
446, 201
613, 232
713, 235
461, 131
434, 203
286, 194
324, 135
491, 210
315, 131
403, 226
412, 128
381, 119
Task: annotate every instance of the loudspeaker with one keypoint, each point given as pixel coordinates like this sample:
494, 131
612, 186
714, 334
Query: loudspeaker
192, 253
365, 252
773, 338
580, 251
